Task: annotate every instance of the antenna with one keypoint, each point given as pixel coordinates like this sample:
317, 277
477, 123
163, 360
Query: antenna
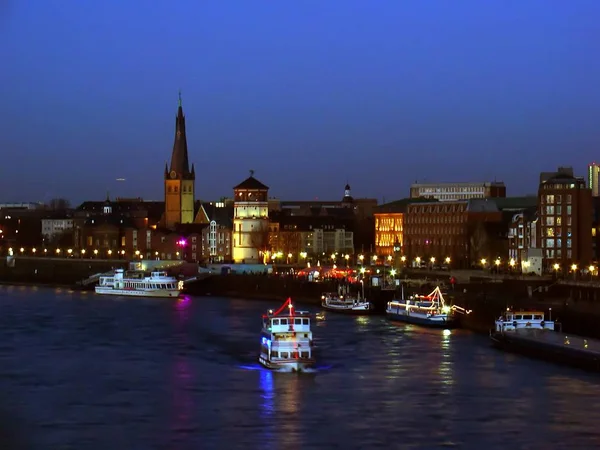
251, 172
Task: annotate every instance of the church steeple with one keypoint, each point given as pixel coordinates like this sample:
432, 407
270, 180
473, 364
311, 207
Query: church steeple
179, 180
180, 166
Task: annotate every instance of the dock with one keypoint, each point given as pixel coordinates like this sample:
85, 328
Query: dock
551, 345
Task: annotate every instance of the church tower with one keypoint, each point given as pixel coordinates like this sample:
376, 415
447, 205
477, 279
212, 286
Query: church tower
179, 179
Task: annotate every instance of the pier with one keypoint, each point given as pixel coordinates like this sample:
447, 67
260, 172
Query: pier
551, 345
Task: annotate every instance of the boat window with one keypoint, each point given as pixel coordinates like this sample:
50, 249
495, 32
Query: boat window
538, 317
284, 321
305, 335
294, 354
275, 321
527, 317
297, 321
275, 354
284, 354
305, 355
518, 317
305, 321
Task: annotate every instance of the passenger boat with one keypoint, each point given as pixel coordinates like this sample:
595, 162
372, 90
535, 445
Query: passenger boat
516, 320
137, 284
429, 310
516, 324
286, 340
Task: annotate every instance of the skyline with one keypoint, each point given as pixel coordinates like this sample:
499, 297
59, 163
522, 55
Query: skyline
369, 96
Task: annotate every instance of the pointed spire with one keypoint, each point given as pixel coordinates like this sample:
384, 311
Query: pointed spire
193, 169
179, 158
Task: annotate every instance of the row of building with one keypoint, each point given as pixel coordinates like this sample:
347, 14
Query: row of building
460, 223
555, 229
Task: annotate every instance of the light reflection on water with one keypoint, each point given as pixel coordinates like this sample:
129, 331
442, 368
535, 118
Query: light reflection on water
92, 373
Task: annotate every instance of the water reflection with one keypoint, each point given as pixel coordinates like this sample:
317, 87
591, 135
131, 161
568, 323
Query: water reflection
445, 367
287, 401
183, 382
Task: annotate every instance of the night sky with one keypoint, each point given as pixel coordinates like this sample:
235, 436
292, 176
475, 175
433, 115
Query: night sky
309, 94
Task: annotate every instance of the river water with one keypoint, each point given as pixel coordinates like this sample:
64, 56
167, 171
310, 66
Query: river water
85, 372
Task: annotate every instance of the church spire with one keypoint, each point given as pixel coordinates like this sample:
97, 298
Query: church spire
180, 167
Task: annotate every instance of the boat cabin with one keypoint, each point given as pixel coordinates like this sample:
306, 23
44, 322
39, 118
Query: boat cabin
516, 320
299, 322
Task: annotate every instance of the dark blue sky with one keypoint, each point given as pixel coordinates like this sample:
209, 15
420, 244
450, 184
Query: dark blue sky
309, 94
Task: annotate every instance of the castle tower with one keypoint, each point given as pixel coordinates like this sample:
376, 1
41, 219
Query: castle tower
179, 179
250, 220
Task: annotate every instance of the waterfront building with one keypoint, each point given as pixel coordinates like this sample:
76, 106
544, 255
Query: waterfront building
468, 233
250, 221
55, 224
522, 234
565, 219
449, 192
179, 179
217, 235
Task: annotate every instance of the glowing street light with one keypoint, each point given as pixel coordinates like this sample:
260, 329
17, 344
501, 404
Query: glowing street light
556, 266
447, 260
574, 267
403, 258
483, 261
432, 259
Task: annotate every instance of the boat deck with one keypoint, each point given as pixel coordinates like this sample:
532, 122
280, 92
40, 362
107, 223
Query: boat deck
555, 339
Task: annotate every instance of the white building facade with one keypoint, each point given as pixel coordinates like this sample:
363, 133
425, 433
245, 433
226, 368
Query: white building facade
250, 221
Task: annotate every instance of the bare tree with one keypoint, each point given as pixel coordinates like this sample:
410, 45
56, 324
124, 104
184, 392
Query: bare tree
59, 204
259, 238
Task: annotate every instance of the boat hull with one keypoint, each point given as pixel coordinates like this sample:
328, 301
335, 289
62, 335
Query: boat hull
423, 321
158, 293
288, 365
349, 310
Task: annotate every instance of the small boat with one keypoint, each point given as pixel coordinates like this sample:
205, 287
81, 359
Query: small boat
320, 316
347, 303
137, 284
429, 310
286, 340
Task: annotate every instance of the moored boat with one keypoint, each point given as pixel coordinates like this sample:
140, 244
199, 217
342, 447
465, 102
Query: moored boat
529, 333
346, 303
136, 284
286, 340
429, 310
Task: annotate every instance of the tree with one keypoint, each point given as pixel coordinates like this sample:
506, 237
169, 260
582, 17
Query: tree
259, 239
59, 204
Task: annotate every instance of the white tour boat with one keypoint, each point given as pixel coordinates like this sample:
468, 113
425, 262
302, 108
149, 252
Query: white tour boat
286, 340
135, 283
519, 320
430, 310
347, 303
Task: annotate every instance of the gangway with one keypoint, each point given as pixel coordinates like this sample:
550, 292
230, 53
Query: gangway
94, 278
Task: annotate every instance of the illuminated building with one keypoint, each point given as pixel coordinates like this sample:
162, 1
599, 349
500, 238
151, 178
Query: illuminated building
594, 178
565, 218
250, 220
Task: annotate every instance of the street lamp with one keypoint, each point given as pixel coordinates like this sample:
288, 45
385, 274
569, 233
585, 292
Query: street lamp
483, 262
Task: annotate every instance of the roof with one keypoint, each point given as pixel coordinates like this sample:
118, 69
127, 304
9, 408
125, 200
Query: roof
400, 206
514, 203
252, 183
222, 215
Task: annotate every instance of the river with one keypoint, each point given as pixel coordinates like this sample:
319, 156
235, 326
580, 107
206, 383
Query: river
86, 372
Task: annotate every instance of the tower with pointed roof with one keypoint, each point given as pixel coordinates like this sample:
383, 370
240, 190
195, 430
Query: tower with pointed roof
250, 221
179, 179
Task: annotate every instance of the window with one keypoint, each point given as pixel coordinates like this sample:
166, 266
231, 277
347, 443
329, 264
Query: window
550, 210
559, 221
550, 198
550, 220
568, 243
550, 232
569, 198
568, 210
550, 243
